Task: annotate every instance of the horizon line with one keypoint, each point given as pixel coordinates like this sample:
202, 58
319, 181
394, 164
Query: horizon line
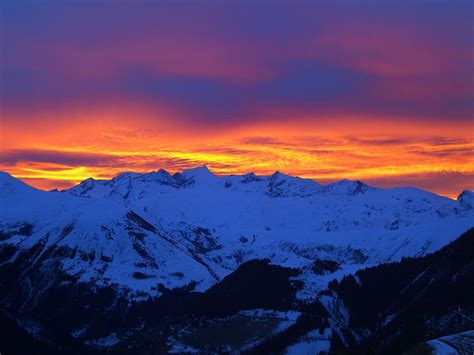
217, 174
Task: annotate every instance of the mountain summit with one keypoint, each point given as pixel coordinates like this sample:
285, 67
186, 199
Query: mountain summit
203, 226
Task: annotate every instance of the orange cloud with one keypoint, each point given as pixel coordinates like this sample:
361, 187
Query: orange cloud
61, 153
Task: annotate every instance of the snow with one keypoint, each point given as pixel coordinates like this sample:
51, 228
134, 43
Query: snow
440, 348
104, 342
280, 321
79, 332
203, 226
179, 348
312, 343
309, 348
313, 284
286, 320
453, 344
466, 199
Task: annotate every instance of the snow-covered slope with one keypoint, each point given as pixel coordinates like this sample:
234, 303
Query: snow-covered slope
140, 230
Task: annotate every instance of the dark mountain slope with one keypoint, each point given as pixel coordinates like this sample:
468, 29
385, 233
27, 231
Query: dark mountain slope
102, 310
255, 284
394, 306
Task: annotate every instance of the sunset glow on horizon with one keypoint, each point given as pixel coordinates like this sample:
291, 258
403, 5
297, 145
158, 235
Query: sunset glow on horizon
383, 94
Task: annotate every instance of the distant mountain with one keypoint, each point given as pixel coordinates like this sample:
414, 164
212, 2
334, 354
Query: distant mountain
138, 238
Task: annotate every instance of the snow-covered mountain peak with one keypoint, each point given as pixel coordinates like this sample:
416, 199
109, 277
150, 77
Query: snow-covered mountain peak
126, 176
4, 176
87, 184
137, 230
350, 187
466, 199
274, 185
200, 176
85, 187
282, 185
250, 177
198, 172
11, 185
7, 180
162, 172
277, 175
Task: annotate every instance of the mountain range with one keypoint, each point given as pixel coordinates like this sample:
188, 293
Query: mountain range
156, 262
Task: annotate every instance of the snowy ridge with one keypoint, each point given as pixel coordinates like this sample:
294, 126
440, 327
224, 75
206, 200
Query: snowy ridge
140, 230
453, 344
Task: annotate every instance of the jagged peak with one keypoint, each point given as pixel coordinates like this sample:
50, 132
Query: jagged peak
6, 178
279, 175
250, 177
348, 182
348, 186
163, 172
198, 172
202, 169
88, 181
127, 175
466, 199
202, 175
465, 193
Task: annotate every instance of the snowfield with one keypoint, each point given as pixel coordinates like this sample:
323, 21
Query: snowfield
460, 343
137, 231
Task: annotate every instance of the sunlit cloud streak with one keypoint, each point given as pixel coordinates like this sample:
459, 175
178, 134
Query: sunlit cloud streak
443, 168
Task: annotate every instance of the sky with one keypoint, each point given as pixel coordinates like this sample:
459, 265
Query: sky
380, 91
